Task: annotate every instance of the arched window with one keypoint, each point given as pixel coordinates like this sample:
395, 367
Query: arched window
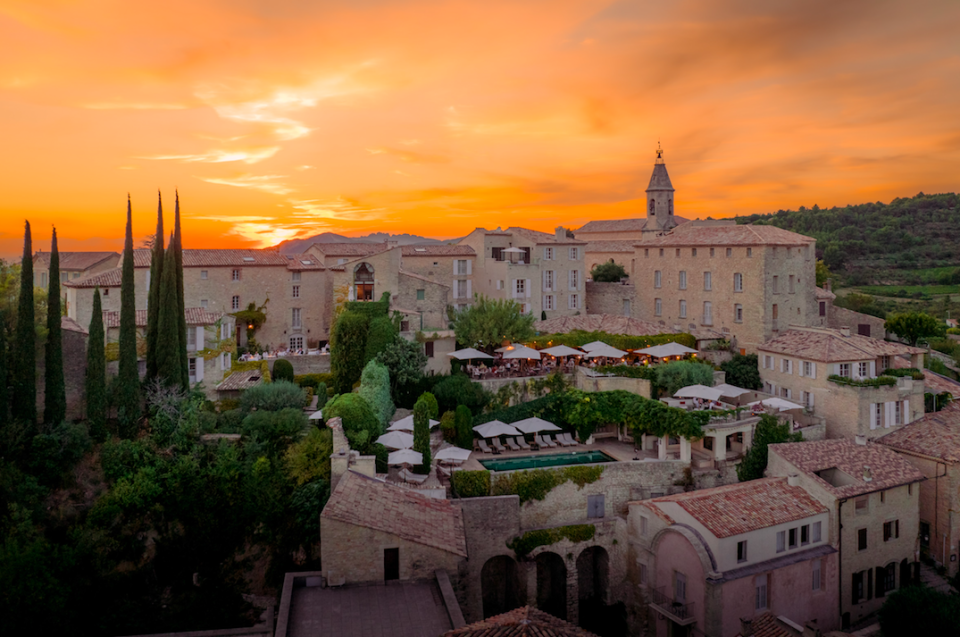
653, 203
670, 206
363, 280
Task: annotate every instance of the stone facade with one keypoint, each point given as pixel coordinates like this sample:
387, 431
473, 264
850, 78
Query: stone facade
829, 315
73, 265
610, 298
74, 339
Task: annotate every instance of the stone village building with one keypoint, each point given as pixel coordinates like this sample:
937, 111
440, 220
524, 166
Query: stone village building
73, 265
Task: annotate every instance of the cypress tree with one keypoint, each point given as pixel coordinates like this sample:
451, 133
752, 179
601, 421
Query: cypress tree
96, 380
178, 253
4, 394
421, 434
55, 392
25, 341
168, 325
128, 377
153, 300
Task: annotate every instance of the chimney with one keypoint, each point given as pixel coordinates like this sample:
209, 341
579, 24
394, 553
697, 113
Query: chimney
793, 480
392, 243
561, 233
844, 331
828, 285
811, 629
746, 627
867, 474
860, 439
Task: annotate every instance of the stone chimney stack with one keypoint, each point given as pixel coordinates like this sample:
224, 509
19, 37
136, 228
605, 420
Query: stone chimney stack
828, 285
746, 627
811, 629
793, 480
561, 233
867, 474
860, 439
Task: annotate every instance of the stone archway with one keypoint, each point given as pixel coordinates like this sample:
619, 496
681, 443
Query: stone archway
552, 584
593, 586
500, 586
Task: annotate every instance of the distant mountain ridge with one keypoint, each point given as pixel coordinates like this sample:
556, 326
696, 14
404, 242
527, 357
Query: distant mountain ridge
294, 246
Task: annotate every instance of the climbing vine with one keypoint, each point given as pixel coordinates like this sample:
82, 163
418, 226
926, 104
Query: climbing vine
535, 484
530, 540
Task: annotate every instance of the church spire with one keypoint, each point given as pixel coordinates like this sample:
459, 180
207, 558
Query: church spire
660, 196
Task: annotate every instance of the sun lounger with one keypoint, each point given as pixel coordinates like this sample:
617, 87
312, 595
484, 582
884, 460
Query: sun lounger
496, 444
512, 445
415, 478
484, 447
522, 443
550, 441
544, 441
567, 439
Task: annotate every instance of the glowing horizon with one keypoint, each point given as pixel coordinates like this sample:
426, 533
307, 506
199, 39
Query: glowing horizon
433, 118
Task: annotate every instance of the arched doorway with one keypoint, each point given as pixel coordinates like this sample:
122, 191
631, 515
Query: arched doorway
500, 586
363, 281
552, 584
593, 585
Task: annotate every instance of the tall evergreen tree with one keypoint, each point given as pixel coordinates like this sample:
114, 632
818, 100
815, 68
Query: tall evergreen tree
168, 324
24, 380
55, 392
128, 377
4, 393
96, 380
421, 434
153, 300
178, 253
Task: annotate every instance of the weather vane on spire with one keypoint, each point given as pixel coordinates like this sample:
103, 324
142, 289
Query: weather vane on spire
659, 152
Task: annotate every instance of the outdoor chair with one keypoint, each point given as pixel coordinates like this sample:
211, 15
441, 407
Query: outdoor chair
483, 446
512, 445
550, 441
415, 478
544, 441
496, 445
564, 439
522, 443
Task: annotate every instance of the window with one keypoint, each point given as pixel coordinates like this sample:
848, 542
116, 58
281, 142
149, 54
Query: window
191, 340
296, 292
889, 578
520, 287
804, 535
711, 252
661, 252
683, 309
877, 420
863, 370
643, 573
658, 307
460, 267
844, 370
683, 280
680, 588
823, 308
677, 253
203, 303
738, 313
64, 277
574, 279
767, 361
707, 281
295, 317
235, 303
737, 282
786, 393
707, 313
785, 366
421, 295
776, 312
816, 531
574, 254
807, 399
192, 366
776, 284
749, 252
792, 538
595, 506
106, 291
657, 279
898, 413
574, 301
857, 592
693, 252
235, 275
296, 277
643, 526
729, 252
391, 564
646, 253
742, 551
790, 285
428, 349
861, 505
885, 362
43, 279
548, 302
296, 342
806, 369
891, 530
203, 274
548, 254
861, 539
815, 573
760, 583
781, 541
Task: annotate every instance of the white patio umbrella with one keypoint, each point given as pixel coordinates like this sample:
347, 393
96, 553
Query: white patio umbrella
732, 391
317, 415
533, 425
496, 428
514, 250
468, 354
522, 351
607, 351
781, 404
667, 349
396, 440
405, 456
453, 453
699, 391
406, 424
589, 347
561, 350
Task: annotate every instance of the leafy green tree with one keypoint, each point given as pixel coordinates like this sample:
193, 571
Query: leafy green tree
96, 378
913, 326
375, 389
608, 272
273, 397
381, 333
276, 429
282, 370
348, 345
421, 434
308, 459
167, 355
55, 390
458, 389
405, 361
823, 273
128, 376
153, 300
743, 370
321, 393
464, 424
448, 426
769, 431
181, 308
488, 323
360, 424
24, 377
678, 374
919, 610
434, 408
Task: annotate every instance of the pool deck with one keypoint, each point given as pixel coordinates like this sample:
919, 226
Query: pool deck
620, 451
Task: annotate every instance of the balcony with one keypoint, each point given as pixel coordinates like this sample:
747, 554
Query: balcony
677, 612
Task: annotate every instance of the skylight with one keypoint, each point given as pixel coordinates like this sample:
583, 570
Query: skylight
249, 259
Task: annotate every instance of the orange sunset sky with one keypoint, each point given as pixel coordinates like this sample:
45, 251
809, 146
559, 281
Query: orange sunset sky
277, 119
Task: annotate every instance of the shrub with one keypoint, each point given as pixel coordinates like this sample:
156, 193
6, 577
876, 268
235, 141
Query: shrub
457, 390
905, 372
918, 610
55, 453
375, 389
433, 409
405, 361
322, 396
360, 425
448, 426
768, 431
273, 397
535, 484
282, 370
228, 422
308, 459
464, 424
609, 272
673, 376
743, 371
470, 484
381, 333
313, 380
123, 458
306, 502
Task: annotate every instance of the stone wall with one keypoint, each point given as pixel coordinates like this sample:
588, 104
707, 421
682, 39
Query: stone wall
610, 298
74, 374
585, 382
488, 523
313, 364
839, 317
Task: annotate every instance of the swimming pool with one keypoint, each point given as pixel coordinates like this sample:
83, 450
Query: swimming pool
546, 460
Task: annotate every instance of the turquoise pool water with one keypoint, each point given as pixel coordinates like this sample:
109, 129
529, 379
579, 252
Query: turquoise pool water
546, 460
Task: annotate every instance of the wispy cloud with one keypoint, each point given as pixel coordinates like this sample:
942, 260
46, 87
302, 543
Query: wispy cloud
266, 183
218, 156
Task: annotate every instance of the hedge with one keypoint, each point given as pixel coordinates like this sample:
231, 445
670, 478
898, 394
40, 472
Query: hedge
530, 540
904, 372
535, 484
470, 484
880, 381
577, 338
370, 309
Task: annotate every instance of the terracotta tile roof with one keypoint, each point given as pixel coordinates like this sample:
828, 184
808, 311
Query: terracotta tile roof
609, 323
888, 468
238, 381
422, 278
304, 262
766, 625
74, 260
610, 246
936, 435
935, 383
740, 508
520, 622
68, 324
373, 504
828, 346
542, 237
215, 257
105, 279
350, 249
621, 225
194, 315
435, 250
692, 234
824, 295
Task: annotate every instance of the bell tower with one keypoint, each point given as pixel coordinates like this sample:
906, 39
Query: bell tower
660, 197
